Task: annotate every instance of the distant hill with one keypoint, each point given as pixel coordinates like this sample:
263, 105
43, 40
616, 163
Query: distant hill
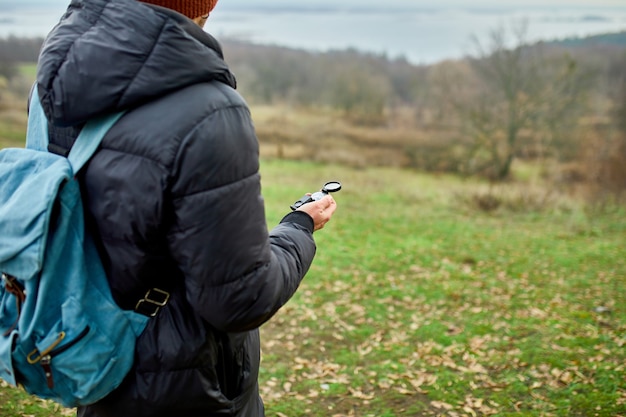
605, 40
27, 49
598, 51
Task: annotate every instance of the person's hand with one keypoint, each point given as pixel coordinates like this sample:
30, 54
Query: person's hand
320, 211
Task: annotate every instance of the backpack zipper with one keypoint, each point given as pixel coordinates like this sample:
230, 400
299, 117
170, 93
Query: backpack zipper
45, 358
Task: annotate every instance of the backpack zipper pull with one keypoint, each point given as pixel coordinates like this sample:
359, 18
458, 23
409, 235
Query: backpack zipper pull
34, 356
44, 359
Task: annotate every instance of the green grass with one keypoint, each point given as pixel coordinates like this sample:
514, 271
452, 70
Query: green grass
28, 70
420, 305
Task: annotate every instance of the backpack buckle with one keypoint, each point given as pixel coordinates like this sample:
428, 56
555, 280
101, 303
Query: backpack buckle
152, 302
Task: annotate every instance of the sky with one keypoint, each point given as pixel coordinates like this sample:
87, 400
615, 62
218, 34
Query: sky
421, 31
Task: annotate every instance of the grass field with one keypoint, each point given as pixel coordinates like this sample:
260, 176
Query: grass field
418, 304
434, 296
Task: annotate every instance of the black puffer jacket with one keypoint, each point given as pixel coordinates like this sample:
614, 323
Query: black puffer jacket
174, 198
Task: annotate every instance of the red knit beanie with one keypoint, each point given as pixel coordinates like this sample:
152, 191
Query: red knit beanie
190, 8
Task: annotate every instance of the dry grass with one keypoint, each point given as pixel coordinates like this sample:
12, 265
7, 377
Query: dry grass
323, 136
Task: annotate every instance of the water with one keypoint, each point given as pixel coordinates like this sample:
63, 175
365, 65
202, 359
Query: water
420, 35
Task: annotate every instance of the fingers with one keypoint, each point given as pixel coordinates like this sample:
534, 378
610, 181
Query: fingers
327, 207
320, 211
331, 206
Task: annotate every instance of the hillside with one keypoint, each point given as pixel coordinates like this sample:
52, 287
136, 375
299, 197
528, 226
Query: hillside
14, 49
363, 109
608, 39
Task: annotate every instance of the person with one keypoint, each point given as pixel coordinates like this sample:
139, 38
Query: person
173, 200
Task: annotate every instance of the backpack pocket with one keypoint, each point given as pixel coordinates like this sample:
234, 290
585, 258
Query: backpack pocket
8, 320
75, 357
6, 358
8, 313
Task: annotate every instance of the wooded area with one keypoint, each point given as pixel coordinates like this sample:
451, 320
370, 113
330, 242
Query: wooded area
561, 104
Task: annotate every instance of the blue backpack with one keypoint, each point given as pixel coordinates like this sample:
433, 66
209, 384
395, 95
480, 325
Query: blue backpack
62, 336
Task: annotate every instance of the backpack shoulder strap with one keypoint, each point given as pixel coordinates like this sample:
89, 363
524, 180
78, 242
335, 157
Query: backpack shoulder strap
89, 139
37, 129
86, 143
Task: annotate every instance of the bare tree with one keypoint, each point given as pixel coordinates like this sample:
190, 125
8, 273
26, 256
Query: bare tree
513, 96
606, 153
361, 95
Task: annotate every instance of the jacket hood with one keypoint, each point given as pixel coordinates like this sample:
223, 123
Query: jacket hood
110, 55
